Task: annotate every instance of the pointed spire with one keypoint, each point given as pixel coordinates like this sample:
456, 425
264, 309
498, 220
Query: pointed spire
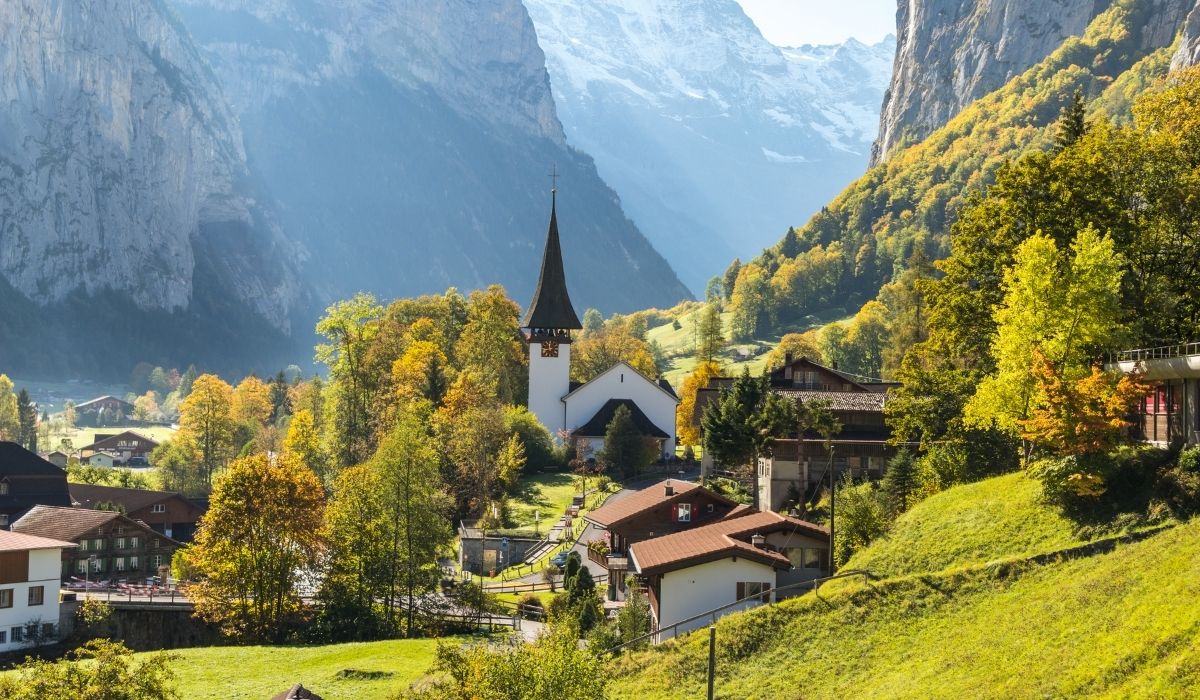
551, 306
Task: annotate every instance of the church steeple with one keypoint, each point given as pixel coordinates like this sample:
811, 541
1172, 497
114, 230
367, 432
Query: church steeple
551, 308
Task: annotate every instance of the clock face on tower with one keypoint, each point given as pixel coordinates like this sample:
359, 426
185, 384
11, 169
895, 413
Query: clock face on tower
549, 348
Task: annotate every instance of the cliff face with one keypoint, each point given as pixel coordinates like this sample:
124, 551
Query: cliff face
118, 157
951, 52
408, 145
715, 139
1189, 43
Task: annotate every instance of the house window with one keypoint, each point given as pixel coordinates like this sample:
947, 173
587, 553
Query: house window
710, 507
3, 637
6, 597
133, 562
119, 563
83, 545
120, 530
683, 512
37, 595
751, 589
133, 543
158, 508
157, 561
18, 634
81, 566
3, 488
120, 543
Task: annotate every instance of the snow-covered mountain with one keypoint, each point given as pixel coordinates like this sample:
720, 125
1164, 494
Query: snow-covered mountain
715, 139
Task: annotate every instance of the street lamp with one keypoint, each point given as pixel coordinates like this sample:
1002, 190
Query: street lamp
537, 518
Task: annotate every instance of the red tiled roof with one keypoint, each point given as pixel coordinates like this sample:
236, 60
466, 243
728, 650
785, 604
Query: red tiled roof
62, 523
622, 509
725, 538
19, 541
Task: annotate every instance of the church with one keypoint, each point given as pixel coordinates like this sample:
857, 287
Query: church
575, 411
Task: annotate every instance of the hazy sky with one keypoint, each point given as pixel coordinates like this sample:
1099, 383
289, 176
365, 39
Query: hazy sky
796, 22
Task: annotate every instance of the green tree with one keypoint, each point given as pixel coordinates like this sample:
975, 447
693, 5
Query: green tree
1072, 123
741, 426
790, 246
26, 422
626, 449
178, 466
592, 321
729, 278
1066, 306
303, 441
710, 334
185, 382
900, 482
751, 303
597, 352
261, 533
491, 343
348, 328
861, 518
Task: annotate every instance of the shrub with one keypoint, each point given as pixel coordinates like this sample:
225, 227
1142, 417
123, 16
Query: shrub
1179, 487
860, 517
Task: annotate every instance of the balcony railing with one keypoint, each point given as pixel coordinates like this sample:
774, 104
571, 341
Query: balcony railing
1159, 353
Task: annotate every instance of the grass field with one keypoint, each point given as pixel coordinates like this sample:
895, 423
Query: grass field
361, 671
549, 493
967, 614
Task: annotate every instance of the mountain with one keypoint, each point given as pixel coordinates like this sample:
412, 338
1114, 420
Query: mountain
408, 145
129, 227
715, 139
951, 53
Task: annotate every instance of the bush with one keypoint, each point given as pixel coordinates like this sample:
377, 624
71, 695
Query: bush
860, 517
1179, 488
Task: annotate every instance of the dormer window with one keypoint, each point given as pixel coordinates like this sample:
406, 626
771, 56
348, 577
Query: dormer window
683, 512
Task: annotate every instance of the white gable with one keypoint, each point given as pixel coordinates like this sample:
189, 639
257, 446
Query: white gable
622, 381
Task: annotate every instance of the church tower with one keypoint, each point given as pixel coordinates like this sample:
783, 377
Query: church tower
549, 323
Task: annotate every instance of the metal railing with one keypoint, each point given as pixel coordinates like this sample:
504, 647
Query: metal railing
1159, 353
757, 598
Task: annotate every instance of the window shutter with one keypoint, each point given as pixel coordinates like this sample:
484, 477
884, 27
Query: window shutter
741, 590
674, 513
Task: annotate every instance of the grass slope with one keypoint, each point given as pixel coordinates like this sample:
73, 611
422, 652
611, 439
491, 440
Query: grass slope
970, 524
1116, 625
373, 670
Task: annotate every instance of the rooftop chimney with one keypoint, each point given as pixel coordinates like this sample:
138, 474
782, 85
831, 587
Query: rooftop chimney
668, 489
758, 540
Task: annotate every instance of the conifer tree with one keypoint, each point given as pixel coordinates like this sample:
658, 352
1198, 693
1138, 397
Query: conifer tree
900, 482
27, 421
1072, 123
789, 247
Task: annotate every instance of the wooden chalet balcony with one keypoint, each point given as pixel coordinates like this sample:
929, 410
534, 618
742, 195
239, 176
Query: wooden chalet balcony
618, 561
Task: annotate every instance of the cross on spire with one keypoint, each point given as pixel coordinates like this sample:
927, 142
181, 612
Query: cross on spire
554, 180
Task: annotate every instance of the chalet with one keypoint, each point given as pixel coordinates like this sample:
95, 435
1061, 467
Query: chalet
58, 458
166, 512
800, 463
665, 508
111, 545
1170, 413
27, 480
29, 583
126, 448
737, 562
103, 410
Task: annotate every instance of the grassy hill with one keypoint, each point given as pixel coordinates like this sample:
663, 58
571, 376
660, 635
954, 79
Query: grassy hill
971, 617
361, 671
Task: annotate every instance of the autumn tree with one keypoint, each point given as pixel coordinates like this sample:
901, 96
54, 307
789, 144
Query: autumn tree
251, 405
470, 425
178, 466
206, 418
594, 353
795, 345
491, 343
145, 407
1087, 416
687, 423
261, 533
10, 422
303, 441
100, 669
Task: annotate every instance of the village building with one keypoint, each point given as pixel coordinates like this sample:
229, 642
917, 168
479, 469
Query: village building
665, 508
103, 410
698, 575
126, 448
799, 464
58, 458
1170, 413
166, 512
27, 480
29, 585
580, 411
103, 460
111, 546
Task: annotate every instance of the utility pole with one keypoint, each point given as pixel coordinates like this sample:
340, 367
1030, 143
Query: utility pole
712, 658
832, 511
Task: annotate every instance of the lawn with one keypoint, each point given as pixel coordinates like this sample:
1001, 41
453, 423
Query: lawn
549, 493
1115, 625
359, 671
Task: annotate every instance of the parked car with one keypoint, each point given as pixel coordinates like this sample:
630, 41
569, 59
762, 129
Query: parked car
560, 559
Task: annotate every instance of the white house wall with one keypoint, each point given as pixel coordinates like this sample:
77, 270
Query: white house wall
698, 589
624, 382
45, 567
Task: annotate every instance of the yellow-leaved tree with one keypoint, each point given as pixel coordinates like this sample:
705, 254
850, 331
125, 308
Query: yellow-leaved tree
261, 533
252, 402
205, 416
687, 424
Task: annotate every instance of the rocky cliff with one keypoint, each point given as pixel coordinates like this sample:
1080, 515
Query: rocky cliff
1189, 42
715, 139
408, 144
123, 184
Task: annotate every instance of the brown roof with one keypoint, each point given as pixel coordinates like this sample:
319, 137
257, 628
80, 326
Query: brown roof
102, 440
297, 692
619, 510
19, 541
92, 495
72, 523
839, 400
724, 538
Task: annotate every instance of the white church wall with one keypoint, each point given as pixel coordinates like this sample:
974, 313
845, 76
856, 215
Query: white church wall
549, 381
623, 382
